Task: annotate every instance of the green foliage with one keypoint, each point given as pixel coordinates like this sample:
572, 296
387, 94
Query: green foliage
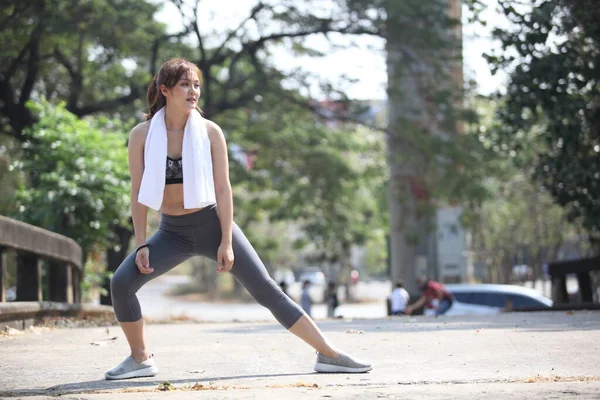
376, 255
9, 178
95, 55
327, 179
165, 386
550, 118
78, 180
517, 221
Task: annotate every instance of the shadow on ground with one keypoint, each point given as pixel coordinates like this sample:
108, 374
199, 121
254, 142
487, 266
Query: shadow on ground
139, 384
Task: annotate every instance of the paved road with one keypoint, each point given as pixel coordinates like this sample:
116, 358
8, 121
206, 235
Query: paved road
519, 356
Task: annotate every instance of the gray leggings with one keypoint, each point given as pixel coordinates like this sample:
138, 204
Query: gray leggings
181, 237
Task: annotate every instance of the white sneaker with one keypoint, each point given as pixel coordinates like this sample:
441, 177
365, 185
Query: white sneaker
130, 368
344, 363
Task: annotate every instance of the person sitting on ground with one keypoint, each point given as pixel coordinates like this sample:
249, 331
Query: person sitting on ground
432, 290
399, 299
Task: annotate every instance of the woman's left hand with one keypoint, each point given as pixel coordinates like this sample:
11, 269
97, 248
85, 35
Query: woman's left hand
225, 258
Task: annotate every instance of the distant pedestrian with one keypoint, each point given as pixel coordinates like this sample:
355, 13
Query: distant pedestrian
332, 300
305, 300
283, 285
399, 299
354, 279
432, 290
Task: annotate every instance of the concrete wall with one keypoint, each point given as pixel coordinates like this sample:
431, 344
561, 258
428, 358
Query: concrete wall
451, 246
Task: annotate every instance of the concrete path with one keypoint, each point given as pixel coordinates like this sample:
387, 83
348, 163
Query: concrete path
517, 356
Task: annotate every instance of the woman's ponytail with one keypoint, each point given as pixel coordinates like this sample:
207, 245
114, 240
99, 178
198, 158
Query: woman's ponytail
155, 98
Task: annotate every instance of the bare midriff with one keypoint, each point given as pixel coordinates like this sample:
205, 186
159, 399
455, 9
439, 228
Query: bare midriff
173, 201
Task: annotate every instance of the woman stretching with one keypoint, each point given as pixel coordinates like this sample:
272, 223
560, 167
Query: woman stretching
178, 165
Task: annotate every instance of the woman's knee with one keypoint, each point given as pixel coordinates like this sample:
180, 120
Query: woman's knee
117, 285
266, 292
286, 311
123, 279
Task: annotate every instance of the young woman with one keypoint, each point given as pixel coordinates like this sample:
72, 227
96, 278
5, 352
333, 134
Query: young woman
178, 165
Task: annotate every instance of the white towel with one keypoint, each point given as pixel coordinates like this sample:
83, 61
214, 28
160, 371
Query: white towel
198, 182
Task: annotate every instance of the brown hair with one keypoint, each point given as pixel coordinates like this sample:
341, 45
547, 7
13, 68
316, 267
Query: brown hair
168, 74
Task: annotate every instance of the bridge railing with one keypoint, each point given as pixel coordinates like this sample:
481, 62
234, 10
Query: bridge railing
32, 246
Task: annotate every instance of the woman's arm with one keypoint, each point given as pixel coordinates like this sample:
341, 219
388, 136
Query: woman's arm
223, 194
139, 212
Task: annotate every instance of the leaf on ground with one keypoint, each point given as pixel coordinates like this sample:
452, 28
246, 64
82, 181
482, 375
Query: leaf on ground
165, 386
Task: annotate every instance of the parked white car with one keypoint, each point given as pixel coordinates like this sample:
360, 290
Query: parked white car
492, 299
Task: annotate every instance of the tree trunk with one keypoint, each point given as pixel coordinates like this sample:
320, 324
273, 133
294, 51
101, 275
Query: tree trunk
404, 103
419, 49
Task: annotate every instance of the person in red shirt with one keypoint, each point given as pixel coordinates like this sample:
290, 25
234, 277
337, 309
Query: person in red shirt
432, 290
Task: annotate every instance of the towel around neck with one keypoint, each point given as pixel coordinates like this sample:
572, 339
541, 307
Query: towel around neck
198, 181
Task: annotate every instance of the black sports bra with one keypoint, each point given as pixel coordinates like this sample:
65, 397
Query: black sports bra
174, 173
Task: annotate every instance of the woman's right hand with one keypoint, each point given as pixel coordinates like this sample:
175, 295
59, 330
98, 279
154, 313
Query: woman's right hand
142, 260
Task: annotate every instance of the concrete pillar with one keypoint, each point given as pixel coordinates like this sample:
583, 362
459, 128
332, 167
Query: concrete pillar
29, 277
60, 282
585, 287
3, 261
76, 284
559, 289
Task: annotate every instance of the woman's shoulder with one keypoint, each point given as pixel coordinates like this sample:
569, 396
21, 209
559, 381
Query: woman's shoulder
140, 131
213, 129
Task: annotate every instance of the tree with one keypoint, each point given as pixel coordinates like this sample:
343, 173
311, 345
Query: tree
94, 55
517, 222
77, 177
8, 179
422, 93
551, 110
518, 225
325, 178
237, 67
